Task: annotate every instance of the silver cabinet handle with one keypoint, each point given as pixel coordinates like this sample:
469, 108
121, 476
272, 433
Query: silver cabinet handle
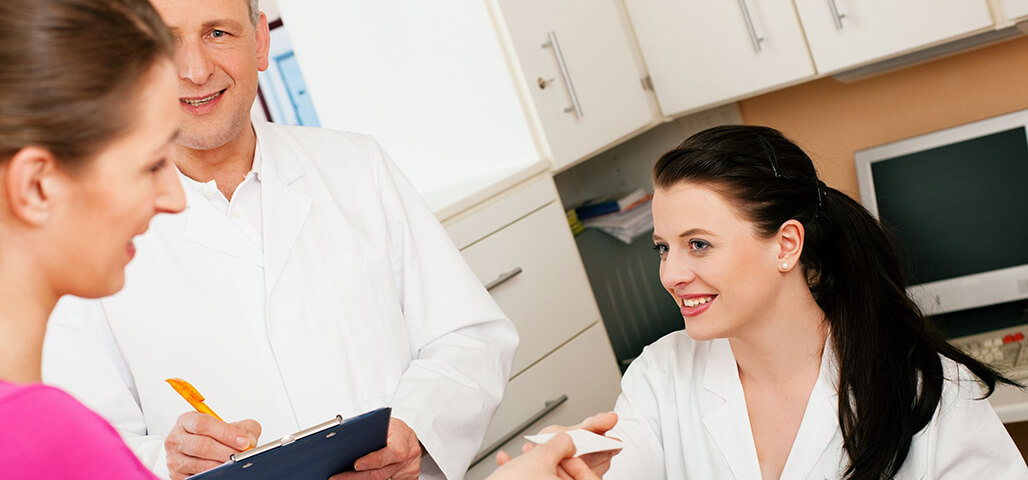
836, 16
756, 39
552, 42
547, 408
503, 278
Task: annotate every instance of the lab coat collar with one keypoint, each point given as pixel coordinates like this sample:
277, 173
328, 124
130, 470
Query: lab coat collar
284, 206
205, 225
729, 425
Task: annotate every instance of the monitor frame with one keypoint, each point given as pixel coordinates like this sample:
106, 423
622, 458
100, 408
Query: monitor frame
962, 292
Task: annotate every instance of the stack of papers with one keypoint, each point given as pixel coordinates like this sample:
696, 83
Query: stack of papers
625, 226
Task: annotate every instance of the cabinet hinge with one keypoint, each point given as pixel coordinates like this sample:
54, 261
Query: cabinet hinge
647, 83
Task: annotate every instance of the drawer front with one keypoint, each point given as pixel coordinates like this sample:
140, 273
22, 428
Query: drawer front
492, 215
537, 278
584, 371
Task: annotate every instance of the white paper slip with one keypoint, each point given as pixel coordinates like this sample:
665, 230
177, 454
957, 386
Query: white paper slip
585, 441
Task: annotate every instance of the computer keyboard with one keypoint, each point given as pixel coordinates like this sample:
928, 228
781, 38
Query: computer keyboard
1006, 350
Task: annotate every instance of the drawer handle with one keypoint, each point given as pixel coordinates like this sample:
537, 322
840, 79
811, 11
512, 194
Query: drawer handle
837, 16
503, 278
518, 430
754, 37
552, 42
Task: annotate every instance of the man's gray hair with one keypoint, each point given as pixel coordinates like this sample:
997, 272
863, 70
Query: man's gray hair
255, 11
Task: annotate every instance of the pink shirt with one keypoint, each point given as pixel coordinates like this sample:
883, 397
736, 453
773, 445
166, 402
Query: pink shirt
45, 433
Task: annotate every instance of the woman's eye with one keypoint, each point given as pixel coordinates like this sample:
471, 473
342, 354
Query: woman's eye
218, 33
661, 249
698, 246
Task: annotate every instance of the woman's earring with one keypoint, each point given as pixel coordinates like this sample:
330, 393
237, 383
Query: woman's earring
785, 266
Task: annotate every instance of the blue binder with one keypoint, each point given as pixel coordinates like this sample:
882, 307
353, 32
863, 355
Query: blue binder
315, 453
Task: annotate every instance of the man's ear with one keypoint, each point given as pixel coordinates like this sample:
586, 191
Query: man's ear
29, 183
263, 42
790, 244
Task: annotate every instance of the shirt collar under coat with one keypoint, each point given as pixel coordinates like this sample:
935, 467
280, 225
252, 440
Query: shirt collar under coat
727, 419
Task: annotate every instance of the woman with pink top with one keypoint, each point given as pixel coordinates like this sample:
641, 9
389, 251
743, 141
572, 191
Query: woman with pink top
88, 107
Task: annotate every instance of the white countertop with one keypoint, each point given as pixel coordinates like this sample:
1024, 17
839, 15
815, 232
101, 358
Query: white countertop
452, 199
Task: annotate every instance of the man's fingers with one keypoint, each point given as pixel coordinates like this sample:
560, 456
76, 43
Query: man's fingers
201, 424
378, 459
204, 448
251, 428
181, 466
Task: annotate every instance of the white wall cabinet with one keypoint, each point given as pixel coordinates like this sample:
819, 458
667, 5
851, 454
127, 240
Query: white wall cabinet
518, 243
579, 62
848, 33
703, 53
1016, 9
450, 87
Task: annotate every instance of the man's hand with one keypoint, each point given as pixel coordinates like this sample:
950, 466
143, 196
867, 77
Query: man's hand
200, 442
599, 424
550, 461
399, 460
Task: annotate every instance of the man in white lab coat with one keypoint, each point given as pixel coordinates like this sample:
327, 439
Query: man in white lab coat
305, 279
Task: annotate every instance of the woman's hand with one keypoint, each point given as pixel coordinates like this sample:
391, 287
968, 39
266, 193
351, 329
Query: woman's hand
599, 424
550, 461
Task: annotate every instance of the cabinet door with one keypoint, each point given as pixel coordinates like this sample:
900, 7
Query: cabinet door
578, 60
1016, 9
847, 33
701, 52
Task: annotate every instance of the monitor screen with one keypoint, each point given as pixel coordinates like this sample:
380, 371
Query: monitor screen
957, 209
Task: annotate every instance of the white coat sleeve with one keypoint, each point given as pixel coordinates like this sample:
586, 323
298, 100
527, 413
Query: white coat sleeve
967, 439
462, 344
81, 356
639, 425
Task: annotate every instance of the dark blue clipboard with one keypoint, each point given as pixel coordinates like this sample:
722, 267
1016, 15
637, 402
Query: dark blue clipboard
315, 453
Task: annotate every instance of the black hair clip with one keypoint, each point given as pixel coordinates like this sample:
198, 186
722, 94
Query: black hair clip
822, 190
770, 152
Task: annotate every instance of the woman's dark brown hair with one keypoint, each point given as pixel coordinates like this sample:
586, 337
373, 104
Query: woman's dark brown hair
70, 72
890, 373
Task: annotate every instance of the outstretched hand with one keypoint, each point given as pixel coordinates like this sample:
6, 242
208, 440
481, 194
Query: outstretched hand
550, 461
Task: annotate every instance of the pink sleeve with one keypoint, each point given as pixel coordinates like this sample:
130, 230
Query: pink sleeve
48, 434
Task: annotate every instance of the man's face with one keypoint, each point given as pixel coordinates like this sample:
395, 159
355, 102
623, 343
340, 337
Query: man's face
218, 55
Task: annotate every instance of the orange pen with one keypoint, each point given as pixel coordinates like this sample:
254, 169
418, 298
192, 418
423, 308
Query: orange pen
192, 396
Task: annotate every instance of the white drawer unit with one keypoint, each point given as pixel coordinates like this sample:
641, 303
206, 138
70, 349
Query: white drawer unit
577, 380
519, 245
533, 270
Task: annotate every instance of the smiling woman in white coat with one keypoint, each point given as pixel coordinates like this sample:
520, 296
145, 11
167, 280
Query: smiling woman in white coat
802, 356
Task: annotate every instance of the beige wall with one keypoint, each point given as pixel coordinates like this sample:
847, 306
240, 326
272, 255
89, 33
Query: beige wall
831, 119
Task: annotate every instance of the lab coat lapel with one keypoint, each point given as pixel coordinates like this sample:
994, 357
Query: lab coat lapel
206, 226
727, 420
820, 421
285, 208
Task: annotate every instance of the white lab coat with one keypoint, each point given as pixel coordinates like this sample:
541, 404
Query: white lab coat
360, 300
683, 417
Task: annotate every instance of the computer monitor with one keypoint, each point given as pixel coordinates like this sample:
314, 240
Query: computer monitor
956, 201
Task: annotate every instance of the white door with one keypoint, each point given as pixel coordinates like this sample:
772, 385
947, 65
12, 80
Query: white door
1016, 9
848, 33
701, 52
581, 70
